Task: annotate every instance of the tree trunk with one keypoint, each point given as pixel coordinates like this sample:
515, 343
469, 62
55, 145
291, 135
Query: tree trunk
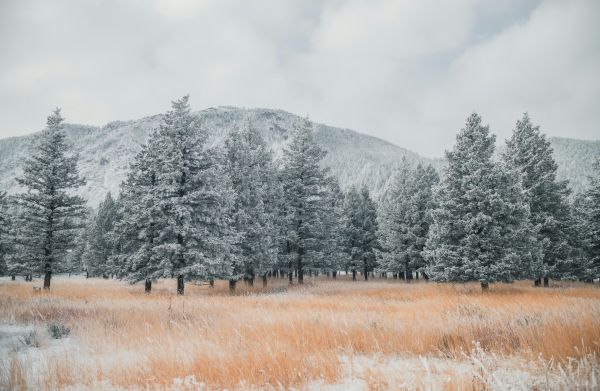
300, 266
180, 284
47, 278
251, 281
417, 275
334, 274
87, 274
290, 277
12, 278
148, 286
485, 286
264, 278
546, 282
537, 282
232, 285
425, 276
353, 274
211, 283
366, 274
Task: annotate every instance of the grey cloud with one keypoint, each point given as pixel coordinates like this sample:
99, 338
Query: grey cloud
406, 71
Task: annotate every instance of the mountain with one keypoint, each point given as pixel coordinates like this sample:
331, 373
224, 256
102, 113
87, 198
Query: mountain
354, 158
105, 152
575, 159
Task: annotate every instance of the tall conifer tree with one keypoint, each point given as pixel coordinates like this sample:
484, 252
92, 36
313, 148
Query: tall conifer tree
50, 215
305, 192
530, 154
480, 227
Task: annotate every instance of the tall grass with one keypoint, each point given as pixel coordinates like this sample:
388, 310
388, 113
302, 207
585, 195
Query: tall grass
280, 337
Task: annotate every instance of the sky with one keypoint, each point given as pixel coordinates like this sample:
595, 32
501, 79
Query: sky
409, 72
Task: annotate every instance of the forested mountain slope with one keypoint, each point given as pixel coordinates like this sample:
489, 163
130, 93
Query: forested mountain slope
105, 152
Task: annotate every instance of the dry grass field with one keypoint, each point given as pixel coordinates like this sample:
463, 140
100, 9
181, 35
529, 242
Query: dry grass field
335, 335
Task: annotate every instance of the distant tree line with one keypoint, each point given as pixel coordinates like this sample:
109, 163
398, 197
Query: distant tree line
195, 212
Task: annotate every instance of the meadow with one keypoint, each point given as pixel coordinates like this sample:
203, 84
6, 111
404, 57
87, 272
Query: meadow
326, 334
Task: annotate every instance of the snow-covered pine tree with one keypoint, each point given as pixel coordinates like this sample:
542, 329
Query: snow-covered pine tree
581, 234
139, 221
74, 259
361, 231
529, 153
196, 199
254, 179
4, 230
99, 249
333, 222
51, 216
405, 219
394, 222
593, 214
305, 194
425, 178
480, 227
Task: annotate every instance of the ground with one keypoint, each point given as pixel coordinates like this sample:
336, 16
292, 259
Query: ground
331, 335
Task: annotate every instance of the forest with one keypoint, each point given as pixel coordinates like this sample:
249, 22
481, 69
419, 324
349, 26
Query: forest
200, 214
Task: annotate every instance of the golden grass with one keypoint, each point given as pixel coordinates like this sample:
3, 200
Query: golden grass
281, 338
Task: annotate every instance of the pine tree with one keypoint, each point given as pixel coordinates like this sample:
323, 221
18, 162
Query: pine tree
176, 212
50, 215
405, 219
480, 227
4, 231
529, 153
593, 225
333, 223
581, 234
305, 194
361, 231
422, 204
139, 221
394, 224
254, 179
99, 249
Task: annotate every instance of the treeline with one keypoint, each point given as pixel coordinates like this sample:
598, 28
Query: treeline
197, 212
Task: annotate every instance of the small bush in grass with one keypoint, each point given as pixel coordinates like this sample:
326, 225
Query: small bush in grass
31, 339
58, 330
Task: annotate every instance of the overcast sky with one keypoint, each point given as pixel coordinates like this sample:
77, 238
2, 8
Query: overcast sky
409, 72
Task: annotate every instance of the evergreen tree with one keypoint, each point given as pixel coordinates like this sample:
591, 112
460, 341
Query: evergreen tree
305, 194
593, 225
175, 218
4, 231
196, 199
405, 219
50, 215
581, 234
333, 223
139, 221
74, 259
394, 224
361, 231
99, 249
529, 153
480, 227
254, 179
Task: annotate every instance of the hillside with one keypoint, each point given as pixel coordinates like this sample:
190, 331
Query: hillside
354, 158
575, 159
105, 152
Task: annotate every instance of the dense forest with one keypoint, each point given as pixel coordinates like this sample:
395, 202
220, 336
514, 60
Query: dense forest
199, 211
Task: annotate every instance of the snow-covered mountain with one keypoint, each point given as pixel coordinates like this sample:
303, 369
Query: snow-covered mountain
105, 152
354, 158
